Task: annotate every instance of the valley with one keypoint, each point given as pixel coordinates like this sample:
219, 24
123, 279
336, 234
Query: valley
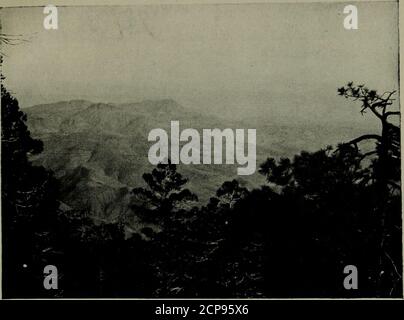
99, 151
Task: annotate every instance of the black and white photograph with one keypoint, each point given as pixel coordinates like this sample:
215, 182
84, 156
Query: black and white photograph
201, 150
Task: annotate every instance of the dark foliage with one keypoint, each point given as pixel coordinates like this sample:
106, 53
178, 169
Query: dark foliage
292, 237
165, 194
28, 205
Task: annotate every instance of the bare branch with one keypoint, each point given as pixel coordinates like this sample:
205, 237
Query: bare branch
365, 137
391, 113
373, 109
389, 95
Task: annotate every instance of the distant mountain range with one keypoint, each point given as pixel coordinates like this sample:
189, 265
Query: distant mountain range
99, 151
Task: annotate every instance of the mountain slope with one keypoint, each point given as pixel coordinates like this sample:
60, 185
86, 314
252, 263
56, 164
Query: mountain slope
99, 151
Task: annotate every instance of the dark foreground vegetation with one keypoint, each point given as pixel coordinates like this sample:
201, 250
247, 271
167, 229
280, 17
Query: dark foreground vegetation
292, 237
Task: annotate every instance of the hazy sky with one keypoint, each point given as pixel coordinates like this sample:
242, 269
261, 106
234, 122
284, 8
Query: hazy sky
266, 61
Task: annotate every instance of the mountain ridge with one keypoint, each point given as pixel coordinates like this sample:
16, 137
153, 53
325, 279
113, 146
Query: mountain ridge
99, 150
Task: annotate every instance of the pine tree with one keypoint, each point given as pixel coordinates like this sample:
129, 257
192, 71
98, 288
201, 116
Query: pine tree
28, 204
165, 194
